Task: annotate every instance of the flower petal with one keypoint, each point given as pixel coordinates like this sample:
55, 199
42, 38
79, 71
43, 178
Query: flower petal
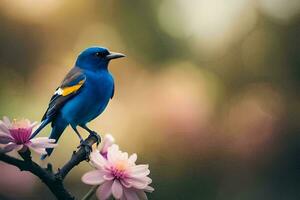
108, 176
97, 159
94, 177
133, 158
11, 146
113, 153
117, 189
38, 150
34, 124
131, 194
43, 139
140, 174
3, 128
6, 121
139, 171
123, 198
125, 183
149, 189
107, 142
42, 142
142, 195
5, 139
139, 183
124, 156
104, 191
139, 168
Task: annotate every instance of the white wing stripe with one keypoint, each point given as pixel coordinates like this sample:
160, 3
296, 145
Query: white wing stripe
59, 91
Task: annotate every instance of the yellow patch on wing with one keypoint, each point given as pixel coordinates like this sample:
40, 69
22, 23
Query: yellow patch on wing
68, 90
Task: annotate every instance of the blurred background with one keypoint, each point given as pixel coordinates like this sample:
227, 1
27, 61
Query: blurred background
208, 95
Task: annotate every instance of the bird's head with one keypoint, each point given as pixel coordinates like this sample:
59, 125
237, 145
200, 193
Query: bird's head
95, 58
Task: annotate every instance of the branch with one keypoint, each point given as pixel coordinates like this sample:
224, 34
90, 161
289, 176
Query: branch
47, 177
13, 161
54, 181
79, 156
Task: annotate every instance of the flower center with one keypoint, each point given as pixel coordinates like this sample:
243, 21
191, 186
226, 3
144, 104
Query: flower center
21, 135
118, 171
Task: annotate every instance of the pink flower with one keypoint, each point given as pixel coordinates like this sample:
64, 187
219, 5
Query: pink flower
107, 142
118, 175
15, 135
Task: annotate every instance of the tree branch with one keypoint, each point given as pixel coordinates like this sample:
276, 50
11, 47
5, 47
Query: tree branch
79, 156
54, 181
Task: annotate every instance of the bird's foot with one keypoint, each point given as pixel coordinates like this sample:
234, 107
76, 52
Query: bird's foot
93, 133
87, 148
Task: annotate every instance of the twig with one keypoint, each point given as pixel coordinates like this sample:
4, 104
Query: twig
90, 193
54, 181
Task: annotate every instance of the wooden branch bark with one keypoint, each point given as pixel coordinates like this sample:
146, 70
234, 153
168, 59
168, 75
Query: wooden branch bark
78, 156
54, 181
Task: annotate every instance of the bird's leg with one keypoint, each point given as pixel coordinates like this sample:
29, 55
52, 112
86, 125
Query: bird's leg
77, 133
86, 146
92, 133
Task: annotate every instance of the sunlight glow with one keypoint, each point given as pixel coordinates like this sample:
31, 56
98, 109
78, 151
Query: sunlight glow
30, 10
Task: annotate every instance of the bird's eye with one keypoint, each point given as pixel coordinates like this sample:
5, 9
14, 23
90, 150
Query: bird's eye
99, 54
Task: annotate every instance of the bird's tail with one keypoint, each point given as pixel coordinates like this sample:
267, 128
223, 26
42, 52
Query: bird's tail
58, 128
43, 124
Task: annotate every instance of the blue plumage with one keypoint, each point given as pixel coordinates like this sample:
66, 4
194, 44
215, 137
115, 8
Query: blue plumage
83, 95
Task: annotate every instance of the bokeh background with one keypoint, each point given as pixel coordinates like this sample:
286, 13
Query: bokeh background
208, 95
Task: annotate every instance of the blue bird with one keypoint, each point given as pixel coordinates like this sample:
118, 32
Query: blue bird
83, 94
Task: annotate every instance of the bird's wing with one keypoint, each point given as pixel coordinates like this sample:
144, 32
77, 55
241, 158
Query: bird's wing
69, 87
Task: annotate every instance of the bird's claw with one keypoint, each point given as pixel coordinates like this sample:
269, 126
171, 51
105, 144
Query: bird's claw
93, 133
87, 148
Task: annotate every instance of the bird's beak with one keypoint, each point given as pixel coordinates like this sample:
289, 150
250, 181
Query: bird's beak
114, 55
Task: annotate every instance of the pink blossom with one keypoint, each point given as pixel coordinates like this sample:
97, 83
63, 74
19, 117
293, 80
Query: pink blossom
15, 135
118, 175
107, 142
